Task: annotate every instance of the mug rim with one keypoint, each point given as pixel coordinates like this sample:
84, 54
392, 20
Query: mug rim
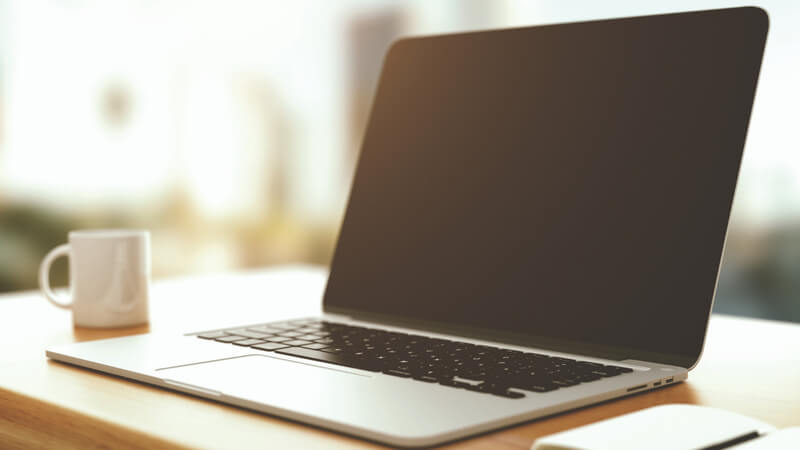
105, 233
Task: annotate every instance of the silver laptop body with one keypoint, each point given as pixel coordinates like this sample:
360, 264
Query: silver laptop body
554, 196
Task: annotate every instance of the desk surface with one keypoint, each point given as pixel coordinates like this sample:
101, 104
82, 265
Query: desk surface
749, 366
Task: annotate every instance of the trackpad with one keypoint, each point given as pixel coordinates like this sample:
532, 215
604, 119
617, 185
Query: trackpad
328, 395
266, 378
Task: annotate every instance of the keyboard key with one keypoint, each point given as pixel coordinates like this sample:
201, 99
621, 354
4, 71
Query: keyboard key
493, 387
248, 342
306, 330
308, 337
292, 334
544, 387
279, 339
212, 335
230, 338
536, 356
509, 394
427, 378
297, 342
249, 334
397, 373
331, 358
453, 383
477, 387
589, 364
269, 346
559, 359
315, 346
586, 378
606, 372
471, 374
265, 329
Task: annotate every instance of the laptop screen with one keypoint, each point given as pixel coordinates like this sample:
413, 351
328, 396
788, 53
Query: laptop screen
565, 186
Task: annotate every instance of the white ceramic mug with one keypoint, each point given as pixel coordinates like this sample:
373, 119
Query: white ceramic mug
109, 272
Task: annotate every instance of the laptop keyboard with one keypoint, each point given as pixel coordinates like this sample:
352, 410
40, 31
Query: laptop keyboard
480, 368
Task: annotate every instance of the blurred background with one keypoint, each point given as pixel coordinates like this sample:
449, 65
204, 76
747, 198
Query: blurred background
230, 129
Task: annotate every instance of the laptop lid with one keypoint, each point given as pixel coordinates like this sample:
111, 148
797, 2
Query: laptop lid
563, 186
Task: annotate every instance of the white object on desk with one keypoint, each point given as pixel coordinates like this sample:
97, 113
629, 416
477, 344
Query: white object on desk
660, 427
109, 277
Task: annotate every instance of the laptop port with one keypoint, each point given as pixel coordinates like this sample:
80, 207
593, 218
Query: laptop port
636, 388
657, 383
669, 380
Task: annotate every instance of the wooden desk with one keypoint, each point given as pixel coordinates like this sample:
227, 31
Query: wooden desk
750, 366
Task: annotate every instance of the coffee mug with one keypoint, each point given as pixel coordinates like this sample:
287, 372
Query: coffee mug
109, 273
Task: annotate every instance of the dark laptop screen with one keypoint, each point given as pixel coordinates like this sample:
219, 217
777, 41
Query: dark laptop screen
567, 185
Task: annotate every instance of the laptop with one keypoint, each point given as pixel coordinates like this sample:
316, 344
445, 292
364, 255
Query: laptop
535, 224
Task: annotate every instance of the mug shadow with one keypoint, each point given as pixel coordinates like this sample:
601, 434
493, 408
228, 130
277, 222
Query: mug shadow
81, 334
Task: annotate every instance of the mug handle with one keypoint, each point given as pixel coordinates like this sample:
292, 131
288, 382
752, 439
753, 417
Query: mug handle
44, 275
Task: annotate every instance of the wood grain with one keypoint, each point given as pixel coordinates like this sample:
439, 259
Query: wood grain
749, 366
